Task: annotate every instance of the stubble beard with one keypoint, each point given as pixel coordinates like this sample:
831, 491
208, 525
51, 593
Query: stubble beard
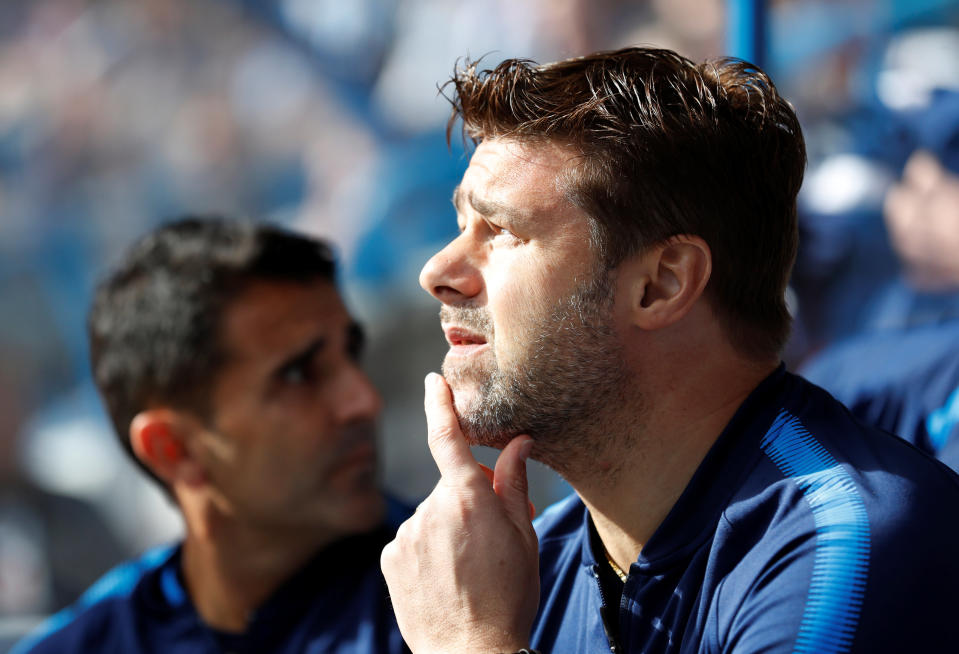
566, 392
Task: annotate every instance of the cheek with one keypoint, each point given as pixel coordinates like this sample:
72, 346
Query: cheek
518, 297
288, 435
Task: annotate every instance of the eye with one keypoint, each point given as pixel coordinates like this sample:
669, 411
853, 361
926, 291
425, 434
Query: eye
504, 235
302, 368
297, 373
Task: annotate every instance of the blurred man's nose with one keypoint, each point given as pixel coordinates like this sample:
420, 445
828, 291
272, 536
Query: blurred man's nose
358, 399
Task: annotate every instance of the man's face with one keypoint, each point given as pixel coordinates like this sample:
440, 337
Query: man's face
290, 444
527, 309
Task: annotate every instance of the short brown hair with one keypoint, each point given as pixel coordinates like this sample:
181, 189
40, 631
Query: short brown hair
668, 148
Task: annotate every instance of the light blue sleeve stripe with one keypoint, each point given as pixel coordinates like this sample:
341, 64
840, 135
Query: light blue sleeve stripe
118, 582
940, 423
841, 562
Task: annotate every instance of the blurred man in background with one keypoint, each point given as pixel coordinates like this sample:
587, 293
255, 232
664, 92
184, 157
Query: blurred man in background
906, 380
230, 368
617, 293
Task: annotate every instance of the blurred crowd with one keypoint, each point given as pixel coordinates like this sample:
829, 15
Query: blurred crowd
326, 116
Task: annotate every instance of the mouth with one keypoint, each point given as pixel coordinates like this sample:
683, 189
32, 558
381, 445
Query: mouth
362, 458
357, 447
464, 341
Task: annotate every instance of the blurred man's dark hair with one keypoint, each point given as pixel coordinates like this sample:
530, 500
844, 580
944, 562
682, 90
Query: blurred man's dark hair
154, 322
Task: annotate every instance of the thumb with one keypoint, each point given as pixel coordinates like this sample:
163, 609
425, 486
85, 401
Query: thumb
509, 480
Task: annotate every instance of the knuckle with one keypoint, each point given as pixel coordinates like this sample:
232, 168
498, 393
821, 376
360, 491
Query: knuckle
403, 533
388, 557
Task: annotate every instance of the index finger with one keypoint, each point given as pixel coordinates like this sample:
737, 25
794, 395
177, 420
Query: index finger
447, 443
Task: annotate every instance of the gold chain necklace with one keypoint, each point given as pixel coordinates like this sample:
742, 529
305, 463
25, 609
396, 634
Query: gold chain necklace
612, 564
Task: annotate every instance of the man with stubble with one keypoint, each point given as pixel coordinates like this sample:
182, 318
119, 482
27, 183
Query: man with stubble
615, 308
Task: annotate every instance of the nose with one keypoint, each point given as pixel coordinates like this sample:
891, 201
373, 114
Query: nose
358, 399
450, 275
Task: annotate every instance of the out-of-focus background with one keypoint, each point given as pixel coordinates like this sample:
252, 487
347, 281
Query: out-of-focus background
324, 116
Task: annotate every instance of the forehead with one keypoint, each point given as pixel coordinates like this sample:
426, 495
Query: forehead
521, 174
267, 320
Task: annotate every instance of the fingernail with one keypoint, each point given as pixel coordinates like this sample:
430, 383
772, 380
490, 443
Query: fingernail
429, 381
525, 449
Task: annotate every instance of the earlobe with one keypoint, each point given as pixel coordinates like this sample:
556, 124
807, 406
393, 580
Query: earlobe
673, 277
157, 439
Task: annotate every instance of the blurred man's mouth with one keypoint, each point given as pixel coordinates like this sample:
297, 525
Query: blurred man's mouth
358, 448
362, 458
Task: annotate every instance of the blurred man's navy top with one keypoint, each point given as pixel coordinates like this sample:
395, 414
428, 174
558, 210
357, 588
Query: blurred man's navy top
336, 604
904, 381
803, 530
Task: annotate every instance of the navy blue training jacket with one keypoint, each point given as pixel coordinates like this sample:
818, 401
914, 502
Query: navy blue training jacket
803, 530
336, 604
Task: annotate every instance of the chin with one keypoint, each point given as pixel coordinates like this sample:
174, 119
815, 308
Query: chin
482, 411
362, 513
372, 497
465, 406
375, 512
465, 398
479, 428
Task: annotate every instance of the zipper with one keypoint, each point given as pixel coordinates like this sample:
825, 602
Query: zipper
604, 610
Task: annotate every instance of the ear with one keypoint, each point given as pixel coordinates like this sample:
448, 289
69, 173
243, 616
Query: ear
665, 281
158, 438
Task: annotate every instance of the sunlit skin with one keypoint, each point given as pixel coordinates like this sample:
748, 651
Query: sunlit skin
523, 250
521, 247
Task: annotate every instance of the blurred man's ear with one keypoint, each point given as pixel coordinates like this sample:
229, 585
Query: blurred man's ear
666, 280
158, 437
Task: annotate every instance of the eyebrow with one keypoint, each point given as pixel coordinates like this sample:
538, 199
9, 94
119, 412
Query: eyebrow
483, 206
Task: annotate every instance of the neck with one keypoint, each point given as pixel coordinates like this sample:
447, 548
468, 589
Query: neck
660, 443
230, 570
